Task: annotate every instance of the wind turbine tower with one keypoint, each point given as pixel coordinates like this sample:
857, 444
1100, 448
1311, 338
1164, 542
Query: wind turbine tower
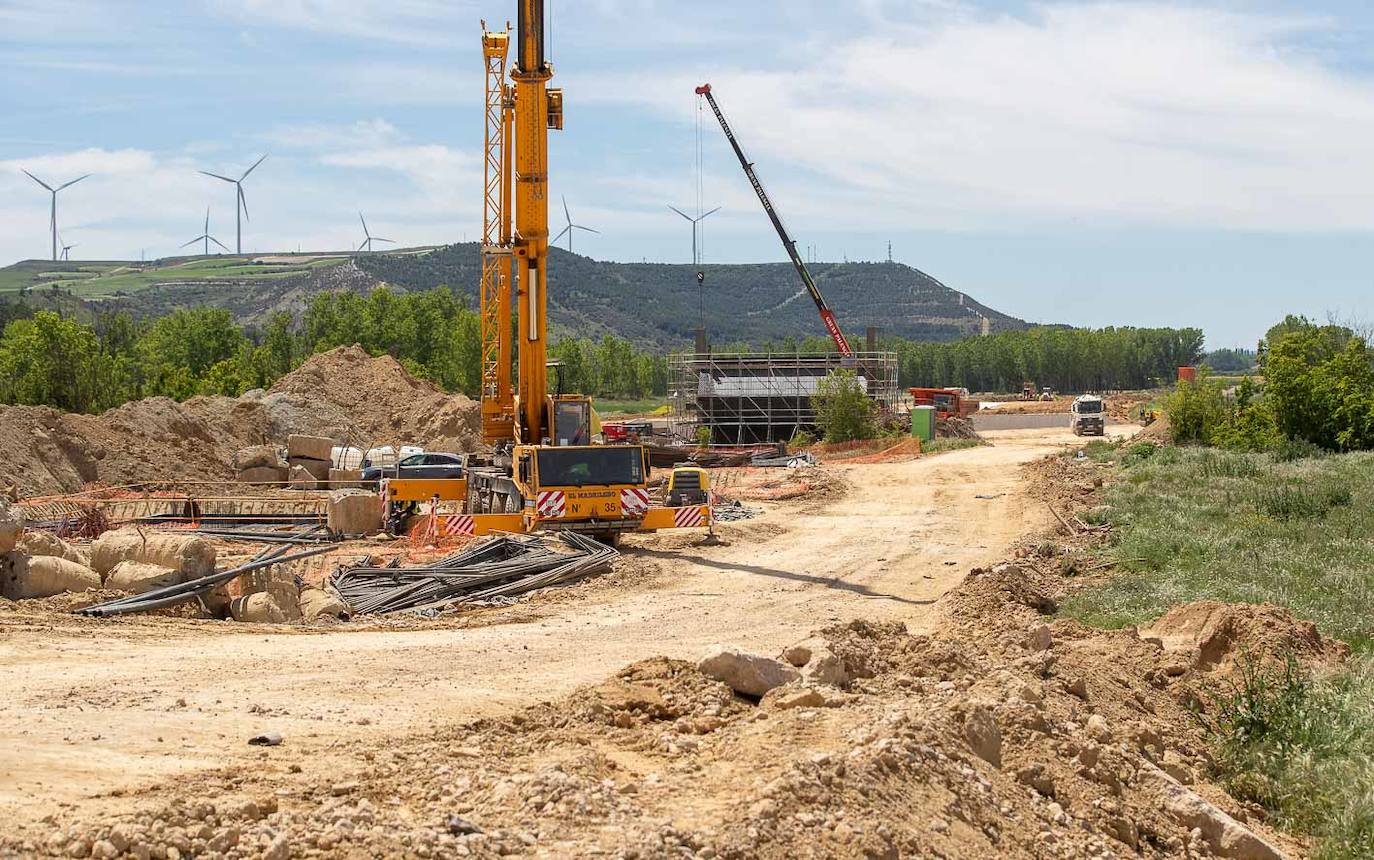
567, 217
240, 201
696, 257
52, 223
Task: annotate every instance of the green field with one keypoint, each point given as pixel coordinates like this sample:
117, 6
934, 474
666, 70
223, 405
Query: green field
100, 280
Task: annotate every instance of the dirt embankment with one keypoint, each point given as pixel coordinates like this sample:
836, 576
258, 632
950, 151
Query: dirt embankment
344, 393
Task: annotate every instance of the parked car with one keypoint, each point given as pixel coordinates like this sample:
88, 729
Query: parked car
430, 464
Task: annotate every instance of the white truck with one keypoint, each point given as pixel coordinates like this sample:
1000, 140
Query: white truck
1089, 416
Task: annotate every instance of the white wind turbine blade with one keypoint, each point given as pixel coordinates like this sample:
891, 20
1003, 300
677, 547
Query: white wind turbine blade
712, 212
217, 242
680, 212
564, 232
36, 179
380, 239
367, 243
588, 229
254, 167
74, 181
216, 175
364, 220
244, 201
566, 215
207, 221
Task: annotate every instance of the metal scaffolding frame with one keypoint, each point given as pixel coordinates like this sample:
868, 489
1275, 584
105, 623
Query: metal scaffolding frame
750, 398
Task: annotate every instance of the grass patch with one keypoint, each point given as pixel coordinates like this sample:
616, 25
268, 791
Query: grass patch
939, 446
1197, 524
642, 406
1302, 747
1194, 524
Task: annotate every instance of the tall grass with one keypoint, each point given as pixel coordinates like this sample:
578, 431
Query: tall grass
1193, 524
1196, 524
1303, 748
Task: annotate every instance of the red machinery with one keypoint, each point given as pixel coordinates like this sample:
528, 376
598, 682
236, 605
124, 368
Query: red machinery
948, 402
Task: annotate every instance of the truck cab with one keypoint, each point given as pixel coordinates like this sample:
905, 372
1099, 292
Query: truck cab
1089, 416
567, 483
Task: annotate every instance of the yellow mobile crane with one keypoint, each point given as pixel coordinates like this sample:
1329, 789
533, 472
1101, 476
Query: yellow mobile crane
545, 473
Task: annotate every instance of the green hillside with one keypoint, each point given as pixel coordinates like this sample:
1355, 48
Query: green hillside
650, 303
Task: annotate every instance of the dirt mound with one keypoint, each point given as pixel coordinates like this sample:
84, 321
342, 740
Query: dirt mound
938, 747
1158, 431
347, 394
1209, 634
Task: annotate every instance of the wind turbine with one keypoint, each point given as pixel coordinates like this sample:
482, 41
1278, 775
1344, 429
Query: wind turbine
696, 256
240, 202
367, 243
567, 216
66, 250
205, 236
52, 224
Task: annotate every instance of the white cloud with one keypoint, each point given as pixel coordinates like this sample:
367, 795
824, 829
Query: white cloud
424, 22
1135, 113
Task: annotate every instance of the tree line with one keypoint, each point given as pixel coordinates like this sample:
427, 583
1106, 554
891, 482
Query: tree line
1064, 359
47, 359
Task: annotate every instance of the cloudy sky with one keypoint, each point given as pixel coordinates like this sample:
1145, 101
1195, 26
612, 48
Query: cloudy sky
1093, 163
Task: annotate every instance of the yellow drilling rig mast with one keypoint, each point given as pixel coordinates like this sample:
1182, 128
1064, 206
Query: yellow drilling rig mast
545, 472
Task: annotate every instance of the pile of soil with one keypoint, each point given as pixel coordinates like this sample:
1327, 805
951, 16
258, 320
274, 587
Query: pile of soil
345, 394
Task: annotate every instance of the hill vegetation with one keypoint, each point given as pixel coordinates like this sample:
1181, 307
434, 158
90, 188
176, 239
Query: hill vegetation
654, 305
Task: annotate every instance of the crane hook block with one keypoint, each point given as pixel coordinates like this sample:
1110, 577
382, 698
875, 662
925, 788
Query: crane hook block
704, 89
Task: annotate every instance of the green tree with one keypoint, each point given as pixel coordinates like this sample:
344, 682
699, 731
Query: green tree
52, 361
844, 411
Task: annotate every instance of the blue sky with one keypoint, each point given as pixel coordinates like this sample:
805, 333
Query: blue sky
1091, 163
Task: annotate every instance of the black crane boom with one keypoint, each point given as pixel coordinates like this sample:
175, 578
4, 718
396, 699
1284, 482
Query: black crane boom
827, 315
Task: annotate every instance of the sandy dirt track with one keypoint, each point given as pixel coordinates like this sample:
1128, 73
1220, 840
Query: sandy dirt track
106, 708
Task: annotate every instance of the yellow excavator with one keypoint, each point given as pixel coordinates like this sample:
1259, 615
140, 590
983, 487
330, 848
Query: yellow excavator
545, 473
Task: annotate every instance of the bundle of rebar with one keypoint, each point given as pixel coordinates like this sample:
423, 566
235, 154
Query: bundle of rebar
501, 567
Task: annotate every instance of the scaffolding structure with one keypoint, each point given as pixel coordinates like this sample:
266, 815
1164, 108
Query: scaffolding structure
752, 398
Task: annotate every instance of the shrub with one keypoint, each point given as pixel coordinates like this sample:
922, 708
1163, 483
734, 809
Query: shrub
844, 411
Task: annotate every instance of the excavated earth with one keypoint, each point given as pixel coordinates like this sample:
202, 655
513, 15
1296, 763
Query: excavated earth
971, 724
344, 393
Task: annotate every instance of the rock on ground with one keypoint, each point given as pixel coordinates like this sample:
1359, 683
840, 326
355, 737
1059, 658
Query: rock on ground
23, 578
137, 577
11, 525
258, 608
43, 543
749, 674
193, 557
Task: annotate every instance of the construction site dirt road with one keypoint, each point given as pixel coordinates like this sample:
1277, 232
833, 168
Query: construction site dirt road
106, 711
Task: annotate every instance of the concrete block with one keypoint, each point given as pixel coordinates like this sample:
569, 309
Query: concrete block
264, 475
346, 479
303, 480
312, 447
354, 512
318, 468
